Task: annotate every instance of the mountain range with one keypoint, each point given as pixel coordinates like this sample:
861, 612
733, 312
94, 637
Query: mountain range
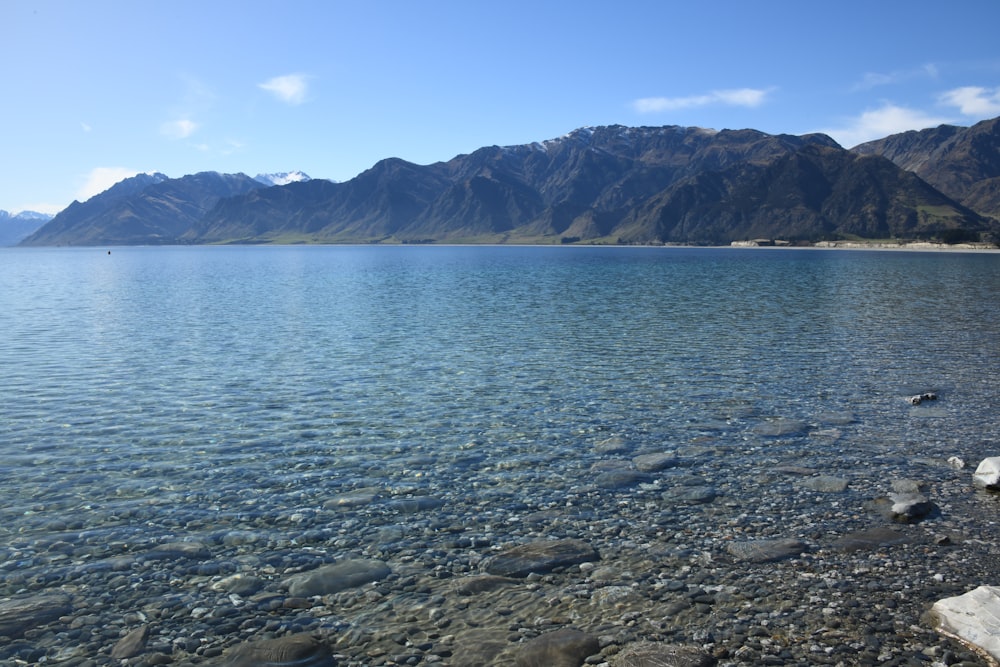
611, 184
14, 228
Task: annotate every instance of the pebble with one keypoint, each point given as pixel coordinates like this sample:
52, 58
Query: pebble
788, 562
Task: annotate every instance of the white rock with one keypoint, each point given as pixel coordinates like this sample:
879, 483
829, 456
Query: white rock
973, 619
987, 475
956, 462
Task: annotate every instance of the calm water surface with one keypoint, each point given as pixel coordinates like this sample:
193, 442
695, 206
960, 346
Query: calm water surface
157, 394
168, 367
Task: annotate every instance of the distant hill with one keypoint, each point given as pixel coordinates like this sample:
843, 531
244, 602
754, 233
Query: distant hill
611, 184
961, 162
147, 209
15, 228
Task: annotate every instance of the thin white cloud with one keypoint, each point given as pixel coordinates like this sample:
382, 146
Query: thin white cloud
179, 129
85, 127
973, 101
875, 79
100, 179
290, 88
739, 97
881, 122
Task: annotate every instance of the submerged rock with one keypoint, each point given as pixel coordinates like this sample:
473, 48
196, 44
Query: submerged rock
540, 557
781, 427
655, 654
177, 551
240, 584
872, 538
767, 551
131, 644
621, 478
482, 584
336, 577
690, 495
655, 462
973, 619
987, 475
826, 484
562, 648
22, 614
300, 650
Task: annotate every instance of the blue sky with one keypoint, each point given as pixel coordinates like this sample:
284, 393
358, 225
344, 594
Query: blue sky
97, 91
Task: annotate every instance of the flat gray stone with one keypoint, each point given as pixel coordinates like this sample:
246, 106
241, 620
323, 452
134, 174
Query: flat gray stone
131, 644
177, 551
482, 584
873, 538
621, 478
562, 648
613, 445
22, 614
657, 654
781, 427
337, 577
690, 495
415, 504
540, 557
655, 462
300, 650
825, 484
767, 551
352, 499
240, 584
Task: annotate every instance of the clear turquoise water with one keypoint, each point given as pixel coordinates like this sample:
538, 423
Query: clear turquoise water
182, 393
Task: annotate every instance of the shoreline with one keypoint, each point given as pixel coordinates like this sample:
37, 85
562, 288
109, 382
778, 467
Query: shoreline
921, 246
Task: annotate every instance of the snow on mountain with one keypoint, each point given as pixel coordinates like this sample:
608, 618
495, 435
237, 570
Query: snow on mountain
25, 216
32, 215
14, 228
282, 178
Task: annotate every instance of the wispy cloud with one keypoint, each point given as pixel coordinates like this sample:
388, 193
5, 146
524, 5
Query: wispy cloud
290, 88
100, 179
739, 97
85, 127
973, 100
179, 129
881, 122
875, 79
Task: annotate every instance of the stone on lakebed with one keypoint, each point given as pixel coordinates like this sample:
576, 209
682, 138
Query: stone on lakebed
540, 557
973, 619
337, 577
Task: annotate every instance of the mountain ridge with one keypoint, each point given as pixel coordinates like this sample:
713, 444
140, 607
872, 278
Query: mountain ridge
15, 228
602, 184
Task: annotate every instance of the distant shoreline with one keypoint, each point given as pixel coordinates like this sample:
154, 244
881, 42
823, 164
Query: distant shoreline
922, 246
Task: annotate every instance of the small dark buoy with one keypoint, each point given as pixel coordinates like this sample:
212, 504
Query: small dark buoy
109, 252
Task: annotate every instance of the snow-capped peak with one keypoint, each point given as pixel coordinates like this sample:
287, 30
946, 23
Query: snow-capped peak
282, 178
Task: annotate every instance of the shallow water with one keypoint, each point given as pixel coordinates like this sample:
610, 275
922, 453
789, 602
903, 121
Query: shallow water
226, 395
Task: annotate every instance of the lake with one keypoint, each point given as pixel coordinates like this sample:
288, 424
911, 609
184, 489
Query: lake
182, 429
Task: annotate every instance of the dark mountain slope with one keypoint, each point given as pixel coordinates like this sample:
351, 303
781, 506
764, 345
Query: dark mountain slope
582, 185
605, 184
815, 193
962, 162
142, 210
